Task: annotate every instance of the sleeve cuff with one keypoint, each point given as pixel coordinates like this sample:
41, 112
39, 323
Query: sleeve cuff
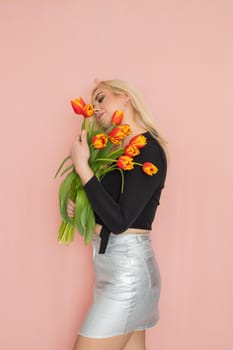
90, 182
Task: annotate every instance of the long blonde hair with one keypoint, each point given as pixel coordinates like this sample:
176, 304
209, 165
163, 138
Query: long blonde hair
120, 87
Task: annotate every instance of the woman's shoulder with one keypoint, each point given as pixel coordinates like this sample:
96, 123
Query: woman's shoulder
152, 146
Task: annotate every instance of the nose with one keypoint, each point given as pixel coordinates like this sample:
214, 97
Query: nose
96, 110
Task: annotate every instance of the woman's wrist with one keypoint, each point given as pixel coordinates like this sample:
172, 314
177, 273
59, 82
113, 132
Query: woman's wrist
85, 173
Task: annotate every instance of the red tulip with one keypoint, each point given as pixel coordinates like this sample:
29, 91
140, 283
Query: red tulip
99, 141
131, 150
80, 107
138, 141
149, 168
116, 134
126, 129
119, 132
125, 162
117, 117
88, 110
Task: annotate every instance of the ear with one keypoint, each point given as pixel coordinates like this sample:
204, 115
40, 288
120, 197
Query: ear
126, 99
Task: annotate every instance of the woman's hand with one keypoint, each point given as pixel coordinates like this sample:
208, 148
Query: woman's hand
80, 153
70, 208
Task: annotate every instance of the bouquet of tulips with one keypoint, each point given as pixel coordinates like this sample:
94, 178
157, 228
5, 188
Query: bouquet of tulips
106, 154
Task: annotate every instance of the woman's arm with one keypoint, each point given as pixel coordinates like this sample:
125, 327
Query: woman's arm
80, 153
138, 190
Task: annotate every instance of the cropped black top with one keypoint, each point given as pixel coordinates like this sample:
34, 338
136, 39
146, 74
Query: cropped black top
136, 206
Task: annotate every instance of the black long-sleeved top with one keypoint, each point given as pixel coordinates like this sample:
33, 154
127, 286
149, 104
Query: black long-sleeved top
136, 206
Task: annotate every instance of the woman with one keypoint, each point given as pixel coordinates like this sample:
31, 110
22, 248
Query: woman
127, 276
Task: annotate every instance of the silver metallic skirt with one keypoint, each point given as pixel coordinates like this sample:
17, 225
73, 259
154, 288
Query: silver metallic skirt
127, 287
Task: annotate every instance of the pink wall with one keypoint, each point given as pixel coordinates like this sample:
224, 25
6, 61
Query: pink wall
179, 54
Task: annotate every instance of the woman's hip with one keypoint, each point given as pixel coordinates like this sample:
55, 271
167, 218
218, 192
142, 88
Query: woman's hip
129, 259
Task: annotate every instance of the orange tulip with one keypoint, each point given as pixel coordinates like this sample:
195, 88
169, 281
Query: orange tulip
125, 162
138, 141
117, 117
116, 133
126, 129
99, 141
80, 107
149, 168
119, 132
88, 110
131, 150
78, 104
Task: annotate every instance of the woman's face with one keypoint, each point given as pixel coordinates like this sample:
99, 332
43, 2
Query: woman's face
105, 104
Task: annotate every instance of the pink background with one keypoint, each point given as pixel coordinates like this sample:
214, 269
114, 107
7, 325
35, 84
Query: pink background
179, 54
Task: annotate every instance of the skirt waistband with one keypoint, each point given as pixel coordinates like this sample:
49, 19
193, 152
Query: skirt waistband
133, 243
121, 238
123, 242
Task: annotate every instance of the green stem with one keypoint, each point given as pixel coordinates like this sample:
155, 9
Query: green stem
109, 129
84, 124
122, 180
138, 163
63, 162
99, 159
108, 169
118, 150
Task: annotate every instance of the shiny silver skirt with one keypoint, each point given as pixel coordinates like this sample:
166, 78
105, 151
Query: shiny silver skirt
126, 289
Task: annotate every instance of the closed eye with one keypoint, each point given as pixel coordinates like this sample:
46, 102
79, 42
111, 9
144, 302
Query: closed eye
101, 99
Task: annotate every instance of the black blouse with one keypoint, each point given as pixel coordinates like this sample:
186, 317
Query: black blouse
136, 206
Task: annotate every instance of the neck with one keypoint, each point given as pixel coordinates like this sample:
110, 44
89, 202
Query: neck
135, 131
131, 119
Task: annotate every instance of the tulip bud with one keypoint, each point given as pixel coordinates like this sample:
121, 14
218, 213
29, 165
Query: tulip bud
125, 162
80, 107
138, 141
99, 141
149, 168
131, 151
125, 129
88, 110
77, 105
117, 117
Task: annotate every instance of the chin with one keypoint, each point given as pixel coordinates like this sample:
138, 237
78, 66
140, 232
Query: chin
105, 127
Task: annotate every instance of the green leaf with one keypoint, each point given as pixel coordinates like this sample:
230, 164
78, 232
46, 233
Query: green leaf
71, 234
78, 211
94, 154
63, 239
64, 191
90, 226
61, 230
117, 153
85, 206
63, 162
105, 151
68, 168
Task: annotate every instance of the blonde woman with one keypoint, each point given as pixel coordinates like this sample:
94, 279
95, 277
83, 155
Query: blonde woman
127, 276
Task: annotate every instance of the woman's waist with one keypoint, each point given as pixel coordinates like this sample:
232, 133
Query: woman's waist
130, 230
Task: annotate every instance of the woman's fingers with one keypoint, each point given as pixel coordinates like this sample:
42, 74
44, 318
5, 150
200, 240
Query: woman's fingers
70, 208
70, 202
